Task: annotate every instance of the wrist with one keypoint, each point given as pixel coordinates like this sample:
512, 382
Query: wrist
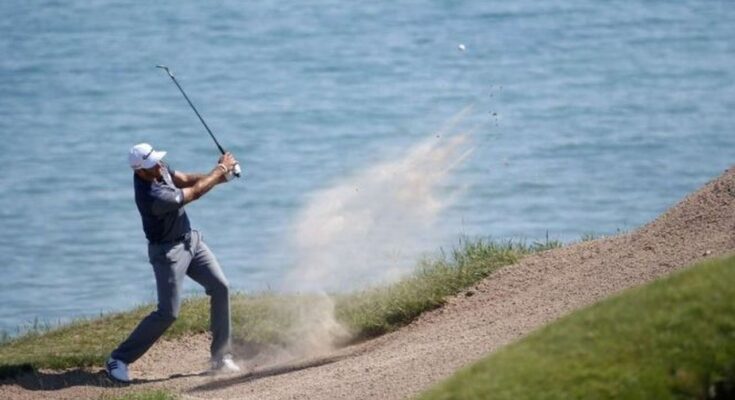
222, 167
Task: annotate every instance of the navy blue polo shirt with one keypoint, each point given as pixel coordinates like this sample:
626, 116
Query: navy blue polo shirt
161, 206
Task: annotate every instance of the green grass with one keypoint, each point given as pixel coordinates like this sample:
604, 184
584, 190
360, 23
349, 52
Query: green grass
379, 310
142, 395
672, 339
267, 318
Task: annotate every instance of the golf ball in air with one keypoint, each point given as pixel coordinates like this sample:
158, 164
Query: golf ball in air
461, 47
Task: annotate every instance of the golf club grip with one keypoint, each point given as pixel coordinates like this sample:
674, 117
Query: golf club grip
237, 170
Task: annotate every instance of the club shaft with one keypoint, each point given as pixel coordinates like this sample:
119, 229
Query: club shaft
236, 170
197, 113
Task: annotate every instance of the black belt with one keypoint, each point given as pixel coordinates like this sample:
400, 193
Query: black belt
186, 236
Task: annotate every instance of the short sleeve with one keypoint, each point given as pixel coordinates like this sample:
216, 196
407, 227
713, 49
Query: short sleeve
166, 199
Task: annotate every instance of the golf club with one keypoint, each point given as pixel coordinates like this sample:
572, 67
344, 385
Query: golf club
165, 68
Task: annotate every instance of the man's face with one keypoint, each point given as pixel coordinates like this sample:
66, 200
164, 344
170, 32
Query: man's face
150, 173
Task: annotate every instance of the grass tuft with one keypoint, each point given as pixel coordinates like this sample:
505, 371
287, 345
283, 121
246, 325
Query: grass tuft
378, 310
589, 236
142, 395
4, 337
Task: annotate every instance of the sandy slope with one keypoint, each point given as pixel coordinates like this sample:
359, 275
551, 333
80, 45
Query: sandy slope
504, 307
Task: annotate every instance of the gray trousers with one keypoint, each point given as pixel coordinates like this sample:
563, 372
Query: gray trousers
171, 262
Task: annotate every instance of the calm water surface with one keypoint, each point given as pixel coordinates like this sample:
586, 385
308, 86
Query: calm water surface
591, 119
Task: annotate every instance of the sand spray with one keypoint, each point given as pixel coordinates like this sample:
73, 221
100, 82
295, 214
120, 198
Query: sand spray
368, 229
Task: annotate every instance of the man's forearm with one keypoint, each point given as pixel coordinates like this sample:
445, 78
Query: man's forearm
194, 178
203, 184
184, 180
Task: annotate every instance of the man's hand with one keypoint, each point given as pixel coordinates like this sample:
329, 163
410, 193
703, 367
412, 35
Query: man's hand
228, 160
225, 165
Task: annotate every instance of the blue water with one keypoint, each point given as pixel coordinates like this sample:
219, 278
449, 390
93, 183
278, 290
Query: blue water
592, 119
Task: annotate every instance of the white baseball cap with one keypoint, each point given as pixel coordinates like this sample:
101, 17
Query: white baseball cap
142, 155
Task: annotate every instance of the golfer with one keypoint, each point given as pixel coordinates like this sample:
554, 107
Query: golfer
175, 250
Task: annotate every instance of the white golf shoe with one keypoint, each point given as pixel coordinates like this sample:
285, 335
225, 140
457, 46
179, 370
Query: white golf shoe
117, 370
225, 366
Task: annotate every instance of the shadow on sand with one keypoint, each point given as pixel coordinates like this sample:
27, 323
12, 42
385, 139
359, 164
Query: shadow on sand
38, 380
264, 373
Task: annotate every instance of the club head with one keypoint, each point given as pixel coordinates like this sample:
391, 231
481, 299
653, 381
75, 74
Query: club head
165, 68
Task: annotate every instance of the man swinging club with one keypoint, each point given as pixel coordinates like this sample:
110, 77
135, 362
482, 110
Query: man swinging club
175, 250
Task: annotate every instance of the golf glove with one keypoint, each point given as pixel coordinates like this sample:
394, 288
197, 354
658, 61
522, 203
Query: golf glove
230, 175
